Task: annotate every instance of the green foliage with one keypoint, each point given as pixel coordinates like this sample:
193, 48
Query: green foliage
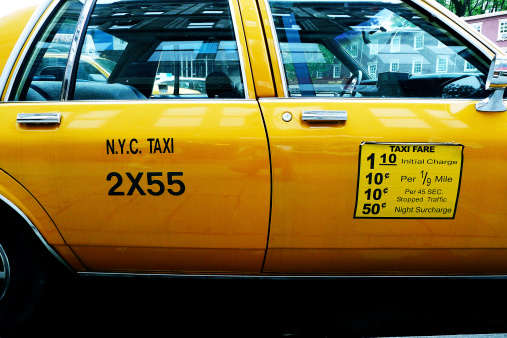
474, 7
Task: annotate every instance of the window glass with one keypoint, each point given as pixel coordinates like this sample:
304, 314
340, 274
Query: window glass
385, 49
159, 50
477, 26
419, 42
502, 29
41, 77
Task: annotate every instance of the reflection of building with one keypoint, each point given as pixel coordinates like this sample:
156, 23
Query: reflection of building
413, 51
491, 25
407, 50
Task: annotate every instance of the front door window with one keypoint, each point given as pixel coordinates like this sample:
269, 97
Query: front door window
383, 44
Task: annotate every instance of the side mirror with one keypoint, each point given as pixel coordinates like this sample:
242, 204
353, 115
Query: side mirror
497, 80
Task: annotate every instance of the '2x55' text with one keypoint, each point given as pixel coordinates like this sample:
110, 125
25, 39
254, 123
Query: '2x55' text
155, 181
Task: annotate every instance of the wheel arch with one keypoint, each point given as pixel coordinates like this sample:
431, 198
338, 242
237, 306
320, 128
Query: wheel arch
14, 198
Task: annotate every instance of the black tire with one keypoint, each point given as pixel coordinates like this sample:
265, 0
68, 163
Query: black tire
22, 276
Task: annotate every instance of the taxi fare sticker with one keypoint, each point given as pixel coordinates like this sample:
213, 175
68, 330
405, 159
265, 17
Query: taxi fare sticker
408, 180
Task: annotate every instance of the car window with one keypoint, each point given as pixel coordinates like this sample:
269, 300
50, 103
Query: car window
42, 75
159, 50
372, 49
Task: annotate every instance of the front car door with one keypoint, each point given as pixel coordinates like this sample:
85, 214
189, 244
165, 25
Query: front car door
138, 133
381, 162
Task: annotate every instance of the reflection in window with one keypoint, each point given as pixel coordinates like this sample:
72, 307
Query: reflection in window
42, 76
354, 50
469, 67
418, 42
394, 66
374, 47
372, 70
395, 44
159, 50
442, 64
337, 71
417, 66
366, 39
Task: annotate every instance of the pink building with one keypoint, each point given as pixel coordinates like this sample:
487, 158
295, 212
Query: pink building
491, 25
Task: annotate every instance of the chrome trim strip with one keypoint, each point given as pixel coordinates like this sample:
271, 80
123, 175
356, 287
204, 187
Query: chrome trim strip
287, 277
281, 67
42, 118
324, 115
44, 7
372, 100
240, 51
77, 41
39, 235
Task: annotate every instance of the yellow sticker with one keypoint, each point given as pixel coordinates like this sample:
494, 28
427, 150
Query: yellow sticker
408, 180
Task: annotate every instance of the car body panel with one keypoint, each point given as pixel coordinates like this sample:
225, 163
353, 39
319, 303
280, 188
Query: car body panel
261, 68
448, 19
219, 148
262, 195
243, 50
271, 49
12, 26
171, 260
315, 169
16, 30
14, 194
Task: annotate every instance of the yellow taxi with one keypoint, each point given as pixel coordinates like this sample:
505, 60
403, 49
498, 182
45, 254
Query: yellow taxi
318, 138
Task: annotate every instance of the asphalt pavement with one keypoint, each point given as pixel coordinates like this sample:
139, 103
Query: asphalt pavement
92, 307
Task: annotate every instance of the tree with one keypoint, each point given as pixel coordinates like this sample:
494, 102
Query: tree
474, 7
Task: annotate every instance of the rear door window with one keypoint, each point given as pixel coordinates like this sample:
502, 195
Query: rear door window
133, 50
159, 50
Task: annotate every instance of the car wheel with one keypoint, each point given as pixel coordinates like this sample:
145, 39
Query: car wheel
22, 274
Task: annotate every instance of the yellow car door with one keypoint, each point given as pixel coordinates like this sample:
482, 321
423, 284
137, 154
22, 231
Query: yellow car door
136, 179
381, 162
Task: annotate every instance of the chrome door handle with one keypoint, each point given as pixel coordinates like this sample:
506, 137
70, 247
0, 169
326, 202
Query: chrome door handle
42, 118
324, 115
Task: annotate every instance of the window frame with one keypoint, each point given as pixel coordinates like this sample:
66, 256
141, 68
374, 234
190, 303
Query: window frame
437, 69
395, 63
416, 43
414, 61
467, 67
374, 51
354, 50
36, 26
335, 68
477, 26
479, 50
396, 47
45, 17
375, 74
502, 30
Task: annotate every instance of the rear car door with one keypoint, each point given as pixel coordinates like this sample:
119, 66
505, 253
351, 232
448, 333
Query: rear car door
134, 124
381, 162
